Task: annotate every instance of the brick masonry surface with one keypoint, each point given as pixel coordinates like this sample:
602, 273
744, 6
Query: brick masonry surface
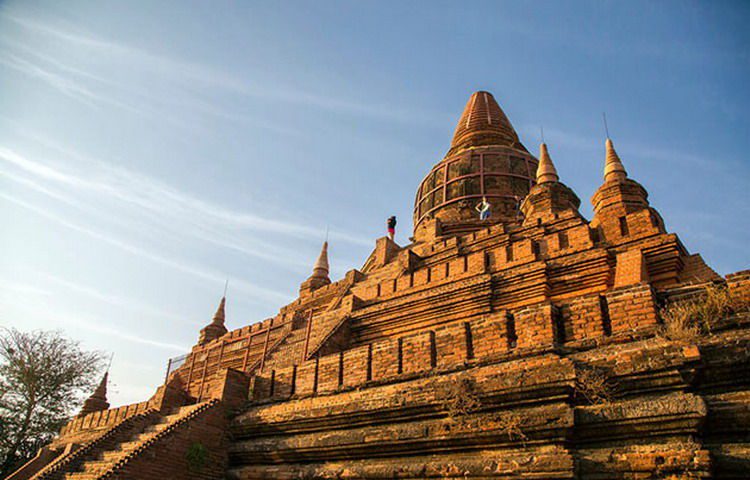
527, 346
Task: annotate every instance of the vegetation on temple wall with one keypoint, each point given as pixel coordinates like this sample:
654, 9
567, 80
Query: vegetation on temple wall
510, 424
459, 397
593, 384
687, 320
42, 378
197, 456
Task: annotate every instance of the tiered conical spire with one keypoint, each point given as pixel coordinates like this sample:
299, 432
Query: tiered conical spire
483, 122
321, 269
613, 167
216, 328
549, 199
220, 315
546, 171
617, 199
101, 390
98, 400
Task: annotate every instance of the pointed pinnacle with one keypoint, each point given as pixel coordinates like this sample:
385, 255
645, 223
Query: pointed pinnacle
613, 167
546, 171
220, 316
321, 268
101, 389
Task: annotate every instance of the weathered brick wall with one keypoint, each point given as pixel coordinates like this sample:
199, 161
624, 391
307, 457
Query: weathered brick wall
739, 285
358, 378
630, 268
628, 310
583, 318
631, 308
196, 450
535, 326
555, 433
81, 429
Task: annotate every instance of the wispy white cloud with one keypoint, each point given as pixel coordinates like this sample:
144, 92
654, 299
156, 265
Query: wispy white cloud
13, 288
106, 330
634, 149
168, 202
64, 85
97, 90
255, 291
81, 321
179, 69
111, 299
193, 75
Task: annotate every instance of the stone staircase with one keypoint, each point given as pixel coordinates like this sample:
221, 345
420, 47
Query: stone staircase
104, 459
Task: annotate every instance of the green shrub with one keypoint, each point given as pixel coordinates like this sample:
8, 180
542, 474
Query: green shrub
197, 456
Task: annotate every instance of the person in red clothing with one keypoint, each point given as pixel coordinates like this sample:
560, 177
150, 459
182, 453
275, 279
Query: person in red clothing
391, 224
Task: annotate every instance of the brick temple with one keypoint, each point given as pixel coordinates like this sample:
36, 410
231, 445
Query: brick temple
527, 345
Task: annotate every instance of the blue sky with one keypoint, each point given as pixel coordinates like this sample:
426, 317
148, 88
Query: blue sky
151, 150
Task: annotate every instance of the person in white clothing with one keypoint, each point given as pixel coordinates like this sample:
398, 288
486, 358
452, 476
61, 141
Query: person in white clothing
484, 208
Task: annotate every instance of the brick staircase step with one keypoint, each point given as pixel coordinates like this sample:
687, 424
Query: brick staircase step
105, 460
155, 428
140, 438
129, 446
80, 476
94, 466
111, 456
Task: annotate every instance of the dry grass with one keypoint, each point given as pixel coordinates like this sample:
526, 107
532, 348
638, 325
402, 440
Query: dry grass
689, 319
679, 323
459, 397
594, 385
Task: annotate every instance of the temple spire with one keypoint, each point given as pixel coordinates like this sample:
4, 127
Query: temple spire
321, 269
546, 171
617, 200
613, 167
220, 315
216, 328
320, 272
98, 400
483, 123
101, 390
548, 200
